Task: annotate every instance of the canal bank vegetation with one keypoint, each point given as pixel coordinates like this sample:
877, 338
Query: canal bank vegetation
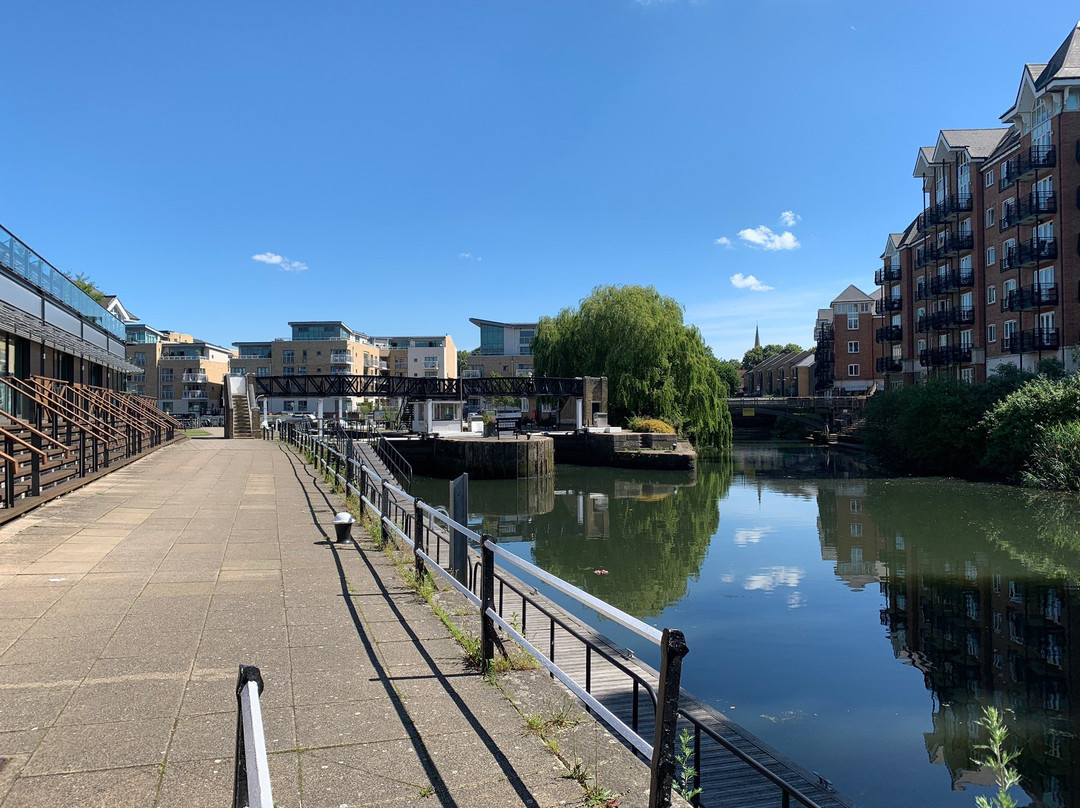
1018, 427
656, 365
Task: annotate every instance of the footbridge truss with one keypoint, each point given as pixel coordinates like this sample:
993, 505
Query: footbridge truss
416, 388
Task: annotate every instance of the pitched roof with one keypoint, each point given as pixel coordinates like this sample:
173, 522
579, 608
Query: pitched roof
853, 294
980, 143
1064, 64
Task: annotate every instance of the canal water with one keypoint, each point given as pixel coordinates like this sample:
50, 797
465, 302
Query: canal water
856, 624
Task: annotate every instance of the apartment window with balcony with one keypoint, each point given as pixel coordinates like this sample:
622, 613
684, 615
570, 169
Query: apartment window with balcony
922, 345
991, 256
1040, 129
288, 357
1045, 277
963, 175
991, 332
431, 361
965, 338
401, 364
853, 346
988, 178
1046, 322
853, 371
989, 217
1006, 206
1008, 331
166, 375
431, 374
166, 392
1045, 231
941, 188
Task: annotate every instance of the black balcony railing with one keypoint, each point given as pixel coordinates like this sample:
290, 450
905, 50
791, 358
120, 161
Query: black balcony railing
891, 303
958, 204
945, 355
924, 255
1029, 253
824, 332
949, 318
1036, 205
1037, 339
1034, 159
951, 281
824, 356
886, 364
890, 333
886, 275
1030, 297
953, 243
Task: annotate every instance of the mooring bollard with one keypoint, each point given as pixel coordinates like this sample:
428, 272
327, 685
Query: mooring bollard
343, 523
251, 778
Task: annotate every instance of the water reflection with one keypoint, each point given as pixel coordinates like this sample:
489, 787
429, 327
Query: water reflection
979, 589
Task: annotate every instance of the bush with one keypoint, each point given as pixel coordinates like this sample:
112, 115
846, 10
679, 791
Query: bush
654, 425
1055, 458
1014, 424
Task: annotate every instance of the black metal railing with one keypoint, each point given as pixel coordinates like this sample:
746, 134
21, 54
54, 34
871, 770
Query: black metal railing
945, 355
890, 303
1034, 159
887, 275
951, 281
508, 603
1037, 339
395, 462
887, 364
1028, 253
924, 255
889, 333
824, 355
1030, 297
824, 332
958, 204
953, 243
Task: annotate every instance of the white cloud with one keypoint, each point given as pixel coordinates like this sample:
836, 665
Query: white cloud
740, 281
724, 241
280, 261
766, 239
751, 535
774, 577
470, 256
790, 218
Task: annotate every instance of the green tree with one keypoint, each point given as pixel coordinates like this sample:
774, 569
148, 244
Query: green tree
83, 282
656, 365
758, 354
728, 371
462, 361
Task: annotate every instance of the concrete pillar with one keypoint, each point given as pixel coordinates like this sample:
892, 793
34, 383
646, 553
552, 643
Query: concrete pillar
429, 414
580, 405
319, 415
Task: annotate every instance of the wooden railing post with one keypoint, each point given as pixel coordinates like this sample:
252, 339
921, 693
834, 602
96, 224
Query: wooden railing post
672, 650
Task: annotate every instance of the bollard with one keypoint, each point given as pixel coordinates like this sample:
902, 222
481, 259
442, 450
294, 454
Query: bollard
672, 650
343, 523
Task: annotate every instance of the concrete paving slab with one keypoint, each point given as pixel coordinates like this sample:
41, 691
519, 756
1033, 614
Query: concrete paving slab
88, 747
111, 788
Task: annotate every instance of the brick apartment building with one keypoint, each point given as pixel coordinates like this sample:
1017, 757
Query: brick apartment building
845, 356
988, 273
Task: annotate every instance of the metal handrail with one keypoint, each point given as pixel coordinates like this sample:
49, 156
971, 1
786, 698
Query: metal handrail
395, 462
412, 526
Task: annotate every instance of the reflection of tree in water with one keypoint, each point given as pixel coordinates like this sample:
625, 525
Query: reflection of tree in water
981, 597
658, 530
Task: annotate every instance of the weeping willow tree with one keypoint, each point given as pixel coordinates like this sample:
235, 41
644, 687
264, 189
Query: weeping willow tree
656, 365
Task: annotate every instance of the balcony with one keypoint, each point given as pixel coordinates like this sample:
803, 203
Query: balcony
182, 357
886, 364
891, 303
196, 395
1034, 159
945, 355
1037, 339
954, 242
886, 275
195, 378
340, 358
957, 205
824, 332
1035, 206
924, 255
1030, 297
889, 333
951, 281
824, 355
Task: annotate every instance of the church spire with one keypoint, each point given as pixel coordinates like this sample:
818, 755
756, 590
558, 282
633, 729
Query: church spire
757, 337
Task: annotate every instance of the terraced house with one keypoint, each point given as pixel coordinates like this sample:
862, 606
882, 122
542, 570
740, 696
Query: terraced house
988, 272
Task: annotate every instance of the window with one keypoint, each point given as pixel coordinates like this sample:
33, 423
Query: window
262, 371
166, 375
301, 370
853, 346
431, 361
989, 217
301, 405
967, 375
288, 371
288, 357
853, 321
988, 178
855, 505
166, 392
853, 370
239, 371
922, 345
288, 406
991, 256
138, 358
991, 332
431, 374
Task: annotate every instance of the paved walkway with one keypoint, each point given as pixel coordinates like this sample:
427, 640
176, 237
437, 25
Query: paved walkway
126, 606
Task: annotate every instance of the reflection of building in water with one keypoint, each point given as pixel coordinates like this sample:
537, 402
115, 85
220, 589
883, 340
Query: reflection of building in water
982, 636
848, 536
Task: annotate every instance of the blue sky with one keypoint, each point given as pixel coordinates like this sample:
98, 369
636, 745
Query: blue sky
404, 166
